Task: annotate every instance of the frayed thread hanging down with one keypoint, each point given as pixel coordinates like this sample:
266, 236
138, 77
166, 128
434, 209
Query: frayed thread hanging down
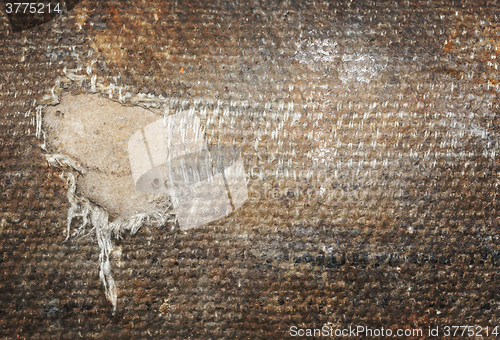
95, 221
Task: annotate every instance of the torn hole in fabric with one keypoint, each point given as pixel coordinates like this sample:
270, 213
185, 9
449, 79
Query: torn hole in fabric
110, 155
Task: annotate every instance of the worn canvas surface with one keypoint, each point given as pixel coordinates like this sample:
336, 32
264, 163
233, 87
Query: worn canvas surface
369, 138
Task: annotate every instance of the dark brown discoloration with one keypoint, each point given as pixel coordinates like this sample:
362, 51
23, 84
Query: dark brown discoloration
388, 246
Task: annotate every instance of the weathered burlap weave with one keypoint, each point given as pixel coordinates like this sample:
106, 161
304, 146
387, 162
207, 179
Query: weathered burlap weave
370, 134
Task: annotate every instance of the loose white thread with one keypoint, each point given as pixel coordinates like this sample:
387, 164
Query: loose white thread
93, 219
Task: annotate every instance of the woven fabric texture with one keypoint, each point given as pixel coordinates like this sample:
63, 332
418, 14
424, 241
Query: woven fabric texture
370, 141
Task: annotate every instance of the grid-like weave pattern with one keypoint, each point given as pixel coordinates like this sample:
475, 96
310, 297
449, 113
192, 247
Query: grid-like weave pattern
370, 137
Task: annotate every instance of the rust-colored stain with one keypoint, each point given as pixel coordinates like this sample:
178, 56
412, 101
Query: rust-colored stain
448, 46
120, 35
114, 14
474, 41
454, 73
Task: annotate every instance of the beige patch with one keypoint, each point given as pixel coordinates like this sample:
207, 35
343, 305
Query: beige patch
94, 131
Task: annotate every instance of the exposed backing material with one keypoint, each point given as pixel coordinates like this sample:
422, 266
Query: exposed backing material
168, 160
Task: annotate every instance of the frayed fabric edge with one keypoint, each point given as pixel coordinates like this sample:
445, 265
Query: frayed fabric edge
95, 220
